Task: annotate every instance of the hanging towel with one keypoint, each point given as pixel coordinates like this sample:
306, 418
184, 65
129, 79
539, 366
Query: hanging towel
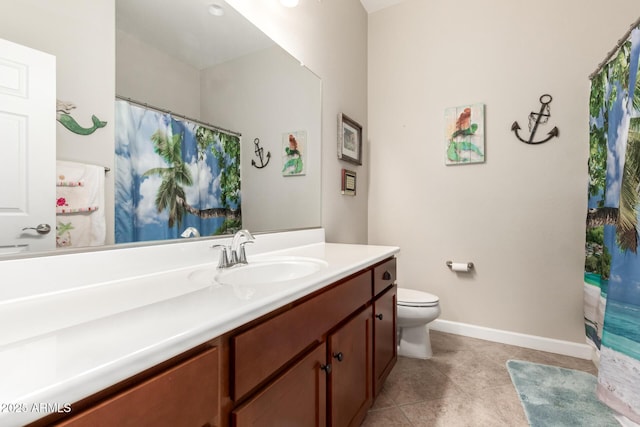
80, 219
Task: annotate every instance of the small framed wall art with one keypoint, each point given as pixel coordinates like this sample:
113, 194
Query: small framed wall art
294, 147
464, 134
349, 140
348, 183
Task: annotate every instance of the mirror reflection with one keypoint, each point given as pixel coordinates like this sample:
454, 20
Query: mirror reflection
198, 64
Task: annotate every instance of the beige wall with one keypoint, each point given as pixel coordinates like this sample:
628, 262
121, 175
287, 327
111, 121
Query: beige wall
520, 216
330, 37
142, 69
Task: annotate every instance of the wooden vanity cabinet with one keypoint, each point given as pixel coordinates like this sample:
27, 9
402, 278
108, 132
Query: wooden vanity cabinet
279, 374
274, 357
330, 385
385, 349
184, 395
264, 349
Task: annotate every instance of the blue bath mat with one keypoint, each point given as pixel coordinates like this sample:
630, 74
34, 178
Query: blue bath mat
554, 397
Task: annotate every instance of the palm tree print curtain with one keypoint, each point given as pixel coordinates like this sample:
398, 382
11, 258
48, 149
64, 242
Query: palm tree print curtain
612, 263
173, 174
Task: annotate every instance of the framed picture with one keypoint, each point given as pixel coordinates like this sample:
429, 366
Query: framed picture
294, 149
348, 183
464, 134
349, 140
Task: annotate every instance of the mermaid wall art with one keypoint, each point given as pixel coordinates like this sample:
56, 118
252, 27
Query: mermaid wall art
464, 134
293, 153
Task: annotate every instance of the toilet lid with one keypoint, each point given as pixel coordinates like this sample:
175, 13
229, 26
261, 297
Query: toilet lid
413, 298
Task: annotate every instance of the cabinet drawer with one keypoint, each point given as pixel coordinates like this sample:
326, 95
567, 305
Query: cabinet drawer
262, 350
384, 275
185, 395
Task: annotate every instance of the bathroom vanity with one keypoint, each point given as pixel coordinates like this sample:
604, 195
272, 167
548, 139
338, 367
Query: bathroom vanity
313, 351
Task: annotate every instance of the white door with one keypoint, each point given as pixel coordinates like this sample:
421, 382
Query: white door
27, 149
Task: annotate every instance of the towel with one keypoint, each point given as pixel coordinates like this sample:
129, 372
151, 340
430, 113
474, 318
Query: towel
80, 219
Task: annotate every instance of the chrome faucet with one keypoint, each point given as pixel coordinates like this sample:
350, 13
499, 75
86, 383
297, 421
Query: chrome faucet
238, 254
235, 253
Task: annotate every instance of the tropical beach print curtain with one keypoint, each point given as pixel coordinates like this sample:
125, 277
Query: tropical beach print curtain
172, 174
612, 263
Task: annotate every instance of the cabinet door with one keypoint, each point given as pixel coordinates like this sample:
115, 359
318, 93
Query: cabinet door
384, 337
186, 395
350, 380
296, 398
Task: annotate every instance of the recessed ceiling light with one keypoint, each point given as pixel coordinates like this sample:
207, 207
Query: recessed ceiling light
216, 10
289, 3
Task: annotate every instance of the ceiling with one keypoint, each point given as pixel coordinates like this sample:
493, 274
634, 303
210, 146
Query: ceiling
184, 29
376, 5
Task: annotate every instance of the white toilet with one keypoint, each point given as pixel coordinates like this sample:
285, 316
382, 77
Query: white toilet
415, 310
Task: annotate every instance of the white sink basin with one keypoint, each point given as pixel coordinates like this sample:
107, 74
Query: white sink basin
262, 272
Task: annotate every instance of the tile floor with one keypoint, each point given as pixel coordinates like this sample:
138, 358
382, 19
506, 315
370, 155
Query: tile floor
465, 383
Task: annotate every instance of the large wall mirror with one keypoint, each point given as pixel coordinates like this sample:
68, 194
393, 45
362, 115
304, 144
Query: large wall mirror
197, 61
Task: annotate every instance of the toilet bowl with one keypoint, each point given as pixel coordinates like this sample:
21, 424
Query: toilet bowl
415, 310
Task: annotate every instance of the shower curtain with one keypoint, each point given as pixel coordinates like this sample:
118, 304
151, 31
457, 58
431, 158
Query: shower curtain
612, 261
172, 174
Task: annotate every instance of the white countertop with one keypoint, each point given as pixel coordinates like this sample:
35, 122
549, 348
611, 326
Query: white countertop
65, 346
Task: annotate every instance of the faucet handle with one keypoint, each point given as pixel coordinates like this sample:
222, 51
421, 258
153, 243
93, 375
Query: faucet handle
223, 261
242, 255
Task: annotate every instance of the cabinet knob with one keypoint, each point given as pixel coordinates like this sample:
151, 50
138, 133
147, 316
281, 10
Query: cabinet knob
326, 368
379, 316
386, 276
338, 356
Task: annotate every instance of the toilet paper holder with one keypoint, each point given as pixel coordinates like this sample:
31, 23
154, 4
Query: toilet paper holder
469, 265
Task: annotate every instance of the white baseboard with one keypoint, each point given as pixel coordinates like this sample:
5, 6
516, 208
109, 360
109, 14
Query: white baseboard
567, 348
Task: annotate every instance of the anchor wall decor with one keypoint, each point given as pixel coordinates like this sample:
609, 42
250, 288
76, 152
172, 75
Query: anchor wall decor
260, 153
535, 119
